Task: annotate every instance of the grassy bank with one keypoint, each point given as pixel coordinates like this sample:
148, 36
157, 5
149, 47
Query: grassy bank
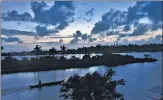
12, 65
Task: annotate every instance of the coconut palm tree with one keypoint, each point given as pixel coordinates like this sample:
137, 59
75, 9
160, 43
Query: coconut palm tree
37, 50
52, 51
63, 49
2, 48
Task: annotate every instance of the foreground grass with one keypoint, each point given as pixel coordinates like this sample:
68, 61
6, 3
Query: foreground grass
12, 65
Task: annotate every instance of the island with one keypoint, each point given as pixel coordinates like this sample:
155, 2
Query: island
46, 63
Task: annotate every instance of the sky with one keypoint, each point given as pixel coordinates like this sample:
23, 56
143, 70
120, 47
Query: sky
75, 24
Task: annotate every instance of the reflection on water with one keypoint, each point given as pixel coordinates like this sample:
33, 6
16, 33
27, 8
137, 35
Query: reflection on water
143, 80
80, 56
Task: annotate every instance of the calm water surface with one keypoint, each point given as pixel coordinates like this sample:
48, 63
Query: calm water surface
140, 78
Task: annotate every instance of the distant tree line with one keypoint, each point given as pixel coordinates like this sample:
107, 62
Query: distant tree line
116, 48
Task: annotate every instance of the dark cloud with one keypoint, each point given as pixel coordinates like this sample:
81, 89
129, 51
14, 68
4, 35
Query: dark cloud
60, 14
10, 32
43, 30
156, 26
61, 41
150, 9
74, 41
145, 9
126, 28
140, 29
36, 38
114, 18
15, 16
11, 39
92, 39
112, 33
90, 12
77, 34
85, 37
157, 39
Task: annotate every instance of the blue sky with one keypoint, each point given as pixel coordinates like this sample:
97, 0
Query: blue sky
25, 24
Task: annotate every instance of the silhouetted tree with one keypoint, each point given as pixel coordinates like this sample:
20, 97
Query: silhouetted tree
37, 50
92, 87
2, 49
98, 47
86, 57
52, 51
62, 58
63, 49
74, 58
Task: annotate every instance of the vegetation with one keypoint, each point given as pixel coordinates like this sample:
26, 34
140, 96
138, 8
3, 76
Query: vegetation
117, 49
11, 65
37, 50
96, 49
92, 87
52, 51
63, 49
2, 48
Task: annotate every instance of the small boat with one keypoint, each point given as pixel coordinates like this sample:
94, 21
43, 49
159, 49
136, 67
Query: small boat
147, 55
45, 84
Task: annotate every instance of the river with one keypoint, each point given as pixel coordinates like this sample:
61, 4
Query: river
140, 78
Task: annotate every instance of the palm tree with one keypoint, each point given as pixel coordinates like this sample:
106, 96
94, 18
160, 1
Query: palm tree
63, 49
92, 87
37, 50
2, 48
52, 51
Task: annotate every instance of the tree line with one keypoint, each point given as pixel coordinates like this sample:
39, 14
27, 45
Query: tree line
116, 48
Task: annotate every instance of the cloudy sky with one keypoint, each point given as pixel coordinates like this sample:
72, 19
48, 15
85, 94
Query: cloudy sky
25, 24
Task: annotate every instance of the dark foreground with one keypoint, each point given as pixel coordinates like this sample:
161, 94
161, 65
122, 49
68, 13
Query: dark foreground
12, 65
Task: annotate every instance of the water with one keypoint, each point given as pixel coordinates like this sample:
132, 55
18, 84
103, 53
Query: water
140, 78
80, 56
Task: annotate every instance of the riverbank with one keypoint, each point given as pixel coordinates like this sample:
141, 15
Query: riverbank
12, 65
